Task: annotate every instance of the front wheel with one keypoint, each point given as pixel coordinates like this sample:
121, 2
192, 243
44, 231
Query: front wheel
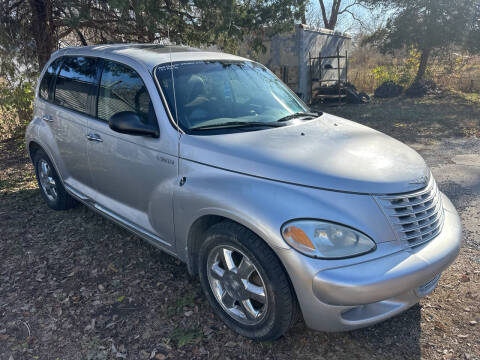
245, 283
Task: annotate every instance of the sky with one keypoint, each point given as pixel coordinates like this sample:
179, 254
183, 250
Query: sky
365, 20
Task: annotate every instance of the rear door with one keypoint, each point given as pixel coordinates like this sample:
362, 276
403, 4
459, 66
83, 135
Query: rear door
133, 177
75, 86
45, 94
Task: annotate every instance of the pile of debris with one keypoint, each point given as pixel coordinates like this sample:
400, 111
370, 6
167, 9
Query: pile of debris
388, 89
421, 88
346, 92
339, 92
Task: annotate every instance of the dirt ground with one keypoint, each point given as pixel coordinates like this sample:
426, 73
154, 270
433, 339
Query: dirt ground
75, 286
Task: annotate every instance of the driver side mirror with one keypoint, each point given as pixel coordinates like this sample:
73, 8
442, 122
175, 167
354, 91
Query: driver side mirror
128, 122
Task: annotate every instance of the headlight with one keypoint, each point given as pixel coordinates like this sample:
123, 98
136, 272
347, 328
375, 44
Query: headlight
325, 240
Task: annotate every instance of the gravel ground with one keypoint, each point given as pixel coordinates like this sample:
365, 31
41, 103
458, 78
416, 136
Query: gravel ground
75, 286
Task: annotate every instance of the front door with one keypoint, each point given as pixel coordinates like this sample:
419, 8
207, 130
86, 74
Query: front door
133, 178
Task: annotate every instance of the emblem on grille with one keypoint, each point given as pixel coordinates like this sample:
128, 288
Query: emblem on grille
421, 180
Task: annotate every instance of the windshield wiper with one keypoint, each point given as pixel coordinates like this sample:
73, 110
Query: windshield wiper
298, 115
236, 124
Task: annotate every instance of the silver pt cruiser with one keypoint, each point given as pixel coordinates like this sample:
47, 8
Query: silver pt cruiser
211, 158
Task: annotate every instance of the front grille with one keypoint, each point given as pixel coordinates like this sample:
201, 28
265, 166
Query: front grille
415, 217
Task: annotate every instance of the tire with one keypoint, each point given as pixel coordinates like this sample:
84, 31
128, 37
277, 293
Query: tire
264, 318
51, 187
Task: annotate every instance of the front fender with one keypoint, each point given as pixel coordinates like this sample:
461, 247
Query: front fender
263, 206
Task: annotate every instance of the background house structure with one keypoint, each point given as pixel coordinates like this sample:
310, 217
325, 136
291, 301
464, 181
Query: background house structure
295, 57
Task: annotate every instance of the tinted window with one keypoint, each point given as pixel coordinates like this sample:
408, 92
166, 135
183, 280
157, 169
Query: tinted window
48, 79
75, 82
122, 89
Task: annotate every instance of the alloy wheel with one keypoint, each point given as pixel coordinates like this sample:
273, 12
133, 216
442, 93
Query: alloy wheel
49, 186
237, 285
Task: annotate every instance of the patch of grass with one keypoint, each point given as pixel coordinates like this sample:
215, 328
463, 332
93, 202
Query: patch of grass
268, 344
180, 303
470, 97
184, 336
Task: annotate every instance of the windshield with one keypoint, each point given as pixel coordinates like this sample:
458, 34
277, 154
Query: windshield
209, 93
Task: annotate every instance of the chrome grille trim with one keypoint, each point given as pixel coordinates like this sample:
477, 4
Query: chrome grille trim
415, 217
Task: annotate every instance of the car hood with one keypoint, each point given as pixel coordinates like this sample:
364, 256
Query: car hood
328, 152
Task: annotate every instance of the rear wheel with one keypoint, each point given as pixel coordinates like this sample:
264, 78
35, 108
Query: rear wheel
245, 282
51, 187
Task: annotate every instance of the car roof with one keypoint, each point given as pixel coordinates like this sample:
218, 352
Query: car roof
150, 55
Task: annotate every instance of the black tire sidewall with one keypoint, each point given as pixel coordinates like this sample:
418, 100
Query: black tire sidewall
273, 324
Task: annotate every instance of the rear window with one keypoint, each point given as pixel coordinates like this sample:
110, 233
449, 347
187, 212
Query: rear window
122, 89
45, 90
76, 81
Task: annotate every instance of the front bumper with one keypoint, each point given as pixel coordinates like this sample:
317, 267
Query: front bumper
348, 295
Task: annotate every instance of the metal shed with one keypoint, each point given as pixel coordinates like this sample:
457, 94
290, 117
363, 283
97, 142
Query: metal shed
289, 55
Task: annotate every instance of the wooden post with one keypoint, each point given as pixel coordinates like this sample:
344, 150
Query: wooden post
311, 77
320, 68
339, 76
346, 66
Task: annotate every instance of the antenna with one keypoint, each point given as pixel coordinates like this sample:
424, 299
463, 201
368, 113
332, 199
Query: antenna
174, 99
173, 79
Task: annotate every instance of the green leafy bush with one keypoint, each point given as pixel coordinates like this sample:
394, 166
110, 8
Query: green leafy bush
402, 73
16, 107
385, 73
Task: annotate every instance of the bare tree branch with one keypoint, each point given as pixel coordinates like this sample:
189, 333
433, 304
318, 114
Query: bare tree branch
330, 20
355, 3
81, 37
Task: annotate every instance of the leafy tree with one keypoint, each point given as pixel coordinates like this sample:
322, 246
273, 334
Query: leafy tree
473, 38
30, 30
53, 22
427, 25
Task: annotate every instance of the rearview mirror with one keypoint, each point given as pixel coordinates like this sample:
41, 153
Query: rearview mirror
128, 122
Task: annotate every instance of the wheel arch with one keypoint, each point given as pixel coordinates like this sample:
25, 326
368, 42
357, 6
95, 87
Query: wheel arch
196, 236
33, 147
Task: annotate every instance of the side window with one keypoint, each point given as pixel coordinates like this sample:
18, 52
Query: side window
122, 89
47, 81
75, 82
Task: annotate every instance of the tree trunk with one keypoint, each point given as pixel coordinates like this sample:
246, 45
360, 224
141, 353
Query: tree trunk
43, 29
330, 23
422, 68
303, 12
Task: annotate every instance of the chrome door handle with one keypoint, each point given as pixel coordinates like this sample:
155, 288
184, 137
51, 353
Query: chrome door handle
47, 118
94, 137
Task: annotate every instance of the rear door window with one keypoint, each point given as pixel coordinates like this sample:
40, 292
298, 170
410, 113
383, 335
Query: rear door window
122, 89
46, 85
76, 82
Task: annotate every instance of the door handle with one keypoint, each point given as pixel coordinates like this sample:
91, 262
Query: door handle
94, 137
47, 118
